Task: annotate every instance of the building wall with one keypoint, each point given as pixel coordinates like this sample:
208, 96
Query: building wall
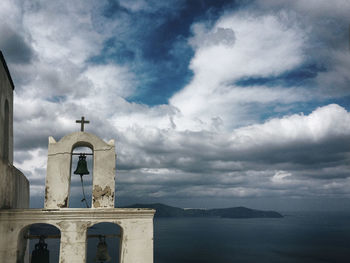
14, 186
136, 232
6, 94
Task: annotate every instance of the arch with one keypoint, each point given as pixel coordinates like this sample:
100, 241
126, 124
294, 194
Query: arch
6, 143
110, 231
28, 237
82, 144
59, 170
22, 244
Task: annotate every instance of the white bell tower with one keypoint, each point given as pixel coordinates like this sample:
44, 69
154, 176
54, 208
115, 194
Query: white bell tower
136, 224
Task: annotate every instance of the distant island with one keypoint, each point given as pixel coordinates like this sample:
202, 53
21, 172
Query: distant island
163, 210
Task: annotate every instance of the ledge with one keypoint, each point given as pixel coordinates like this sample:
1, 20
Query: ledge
75, 214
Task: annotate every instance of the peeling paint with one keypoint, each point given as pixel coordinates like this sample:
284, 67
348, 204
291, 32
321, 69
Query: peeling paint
64, 204
84, 226
46, 192
98, 193
62, 224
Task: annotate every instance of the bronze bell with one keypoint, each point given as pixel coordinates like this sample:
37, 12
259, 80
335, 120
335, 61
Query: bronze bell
102, 251
82, 166
40, 253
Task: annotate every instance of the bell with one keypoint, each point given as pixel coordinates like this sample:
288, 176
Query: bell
40, 253
102, 251
82, 166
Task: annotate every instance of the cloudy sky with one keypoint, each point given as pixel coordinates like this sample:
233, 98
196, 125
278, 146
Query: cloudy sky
211, 103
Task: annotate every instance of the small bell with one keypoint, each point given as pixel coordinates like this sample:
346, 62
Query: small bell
40, 253
102, 251
82, 166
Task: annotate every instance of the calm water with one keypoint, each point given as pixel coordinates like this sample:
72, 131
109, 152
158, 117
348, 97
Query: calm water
298, 237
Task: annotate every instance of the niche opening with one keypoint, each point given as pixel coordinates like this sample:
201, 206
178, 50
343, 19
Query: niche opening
97, 234
29, 244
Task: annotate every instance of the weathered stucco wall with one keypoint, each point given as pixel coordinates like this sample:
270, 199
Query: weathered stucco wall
58, 175
6, 94
136, 234
14, 187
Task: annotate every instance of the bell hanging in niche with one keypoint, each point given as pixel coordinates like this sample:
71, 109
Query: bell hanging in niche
102, 251
82, 166
40, 253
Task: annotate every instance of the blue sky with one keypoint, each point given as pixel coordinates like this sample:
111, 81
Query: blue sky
211, 103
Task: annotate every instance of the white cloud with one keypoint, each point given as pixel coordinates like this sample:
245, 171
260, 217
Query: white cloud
218, 36
109, 81
327, 122
10, 13
282, 178
264, 46
62, 31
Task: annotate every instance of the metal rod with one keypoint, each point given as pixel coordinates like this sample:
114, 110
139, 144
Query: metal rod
59, 236
82, 153
82, 187
109, 235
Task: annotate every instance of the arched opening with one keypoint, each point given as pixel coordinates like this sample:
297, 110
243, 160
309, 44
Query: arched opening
6, 143
37, 242
80, 195
103, 241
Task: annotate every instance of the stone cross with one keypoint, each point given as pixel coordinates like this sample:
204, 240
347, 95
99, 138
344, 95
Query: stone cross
82, 123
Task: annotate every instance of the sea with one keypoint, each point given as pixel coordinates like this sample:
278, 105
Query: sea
310, 237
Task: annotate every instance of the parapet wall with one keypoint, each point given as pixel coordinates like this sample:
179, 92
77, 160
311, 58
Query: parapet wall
136, 225
14, 187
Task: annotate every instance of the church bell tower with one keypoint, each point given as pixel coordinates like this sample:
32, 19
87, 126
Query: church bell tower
136, 224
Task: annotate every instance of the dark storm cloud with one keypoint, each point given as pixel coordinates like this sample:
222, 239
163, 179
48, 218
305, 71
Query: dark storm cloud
21, 156
15, 48
209, 164
196, 152
295, 77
